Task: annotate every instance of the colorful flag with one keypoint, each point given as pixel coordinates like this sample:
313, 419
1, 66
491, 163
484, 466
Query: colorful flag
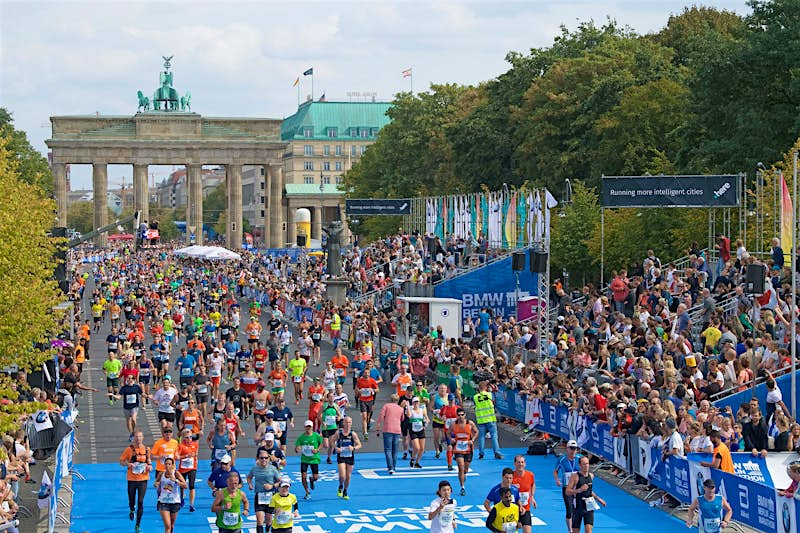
407, 73
786, 222
296, 81
309, 72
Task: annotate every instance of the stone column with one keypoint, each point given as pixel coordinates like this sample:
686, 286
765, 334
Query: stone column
233, 229
194, 183
346, 235
268, 206
100, 192
291, 228
316, 223
276, 218
141, 192
60, 188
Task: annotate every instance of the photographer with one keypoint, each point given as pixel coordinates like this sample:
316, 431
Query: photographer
442, 510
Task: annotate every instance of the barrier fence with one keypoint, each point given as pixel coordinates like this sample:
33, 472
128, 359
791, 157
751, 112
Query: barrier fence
750, 490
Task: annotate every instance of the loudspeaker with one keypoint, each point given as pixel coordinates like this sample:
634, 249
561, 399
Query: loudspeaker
518, 262
755, 278
538, 262
301, 241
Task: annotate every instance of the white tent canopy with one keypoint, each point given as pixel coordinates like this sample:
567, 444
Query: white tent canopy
207, 252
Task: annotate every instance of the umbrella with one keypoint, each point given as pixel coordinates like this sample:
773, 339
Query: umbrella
217, 252
60, 343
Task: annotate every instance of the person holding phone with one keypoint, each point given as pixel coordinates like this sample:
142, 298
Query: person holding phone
442, 510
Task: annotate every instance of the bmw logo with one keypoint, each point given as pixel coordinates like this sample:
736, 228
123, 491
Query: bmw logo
445, 312
41, 416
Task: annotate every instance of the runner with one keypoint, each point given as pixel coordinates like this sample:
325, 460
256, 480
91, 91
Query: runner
215, 362
567, 465
218, 479
145, 375
463, 434
438, 423
169, 494
307, 444
192, 419
329, 419
305, 346
503, 517
714, 510
136, 459
230, 504
234, 425
260, 356
367, 389
263, 479
441, 512
130, 394
347, 443
329, 377
449, 413
185, 366
278, 380
494, 496
316, 393
163, 400
202, 386
580, 486
316, 338
297, 369
164, 448
261, 400
417, 416
112, 367
188, 453
285, 508
253, 330
284, 419
285, 339
340, 365
526, 485
231, 348
221, 441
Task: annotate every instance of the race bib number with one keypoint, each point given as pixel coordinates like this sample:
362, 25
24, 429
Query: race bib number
711, 525
366, 393
202, 389
567, 475
277, 383
591, 504
138, 468
340, 372
219, 454
307, 450
259, 365
263, 497
187, 462
509, 526
131, 399
215, 373
113, 375
261, 405
230, 519
186, 371
462, 446
183, 405
524, 497
447, 515
281, 425
316, 397
417, 425
283, 518
404, 386
330, 420
297, 379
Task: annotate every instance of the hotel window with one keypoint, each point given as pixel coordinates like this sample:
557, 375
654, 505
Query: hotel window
308, 180
308, 149
308, 132
326, 180
339, 166
338, 150
364, 132
353, 149
339, 180
326, 165
363, 149
326, 150
308, 165
332, 133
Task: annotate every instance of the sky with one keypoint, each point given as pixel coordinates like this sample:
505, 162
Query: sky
241, 58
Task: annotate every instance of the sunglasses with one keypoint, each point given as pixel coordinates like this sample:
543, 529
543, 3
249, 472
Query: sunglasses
573, 447
263, 457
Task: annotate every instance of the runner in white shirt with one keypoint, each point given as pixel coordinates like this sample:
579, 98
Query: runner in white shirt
163, 400
215, 363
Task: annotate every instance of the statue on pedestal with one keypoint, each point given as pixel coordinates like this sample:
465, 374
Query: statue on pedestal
334, 231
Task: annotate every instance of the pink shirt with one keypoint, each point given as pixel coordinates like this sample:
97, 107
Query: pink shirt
390, 417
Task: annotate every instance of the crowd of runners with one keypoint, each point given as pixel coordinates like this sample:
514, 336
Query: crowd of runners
206, 347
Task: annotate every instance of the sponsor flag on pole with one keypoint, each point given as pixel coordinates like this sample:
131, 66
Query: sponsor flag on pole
407, 73
309, 72
786, 221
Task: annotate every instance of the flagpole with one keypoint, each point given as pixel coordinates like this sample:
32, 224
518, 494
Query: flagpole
312, 85
298, 93
793, 250
411, 81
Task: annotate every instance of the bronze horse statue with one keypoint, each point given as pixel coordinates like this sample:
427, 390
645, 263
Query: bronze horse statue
144, 102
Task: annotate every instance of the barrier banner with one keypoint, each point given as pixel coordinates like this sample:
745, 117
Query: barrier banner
670, 191
303, 312
642, 455
671, 476
757, 505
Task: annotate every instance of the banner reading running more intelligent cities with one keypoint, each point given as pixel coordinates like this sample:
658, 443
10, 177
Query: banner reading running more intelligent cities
670, 191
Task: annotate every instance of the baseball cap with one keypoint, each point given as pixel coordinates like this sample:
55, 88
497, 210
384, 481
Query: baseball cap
167, 378
572, 444
451, 396
270, 413
285, 483
261, 383
621, 405
225, 459
415, 399
709, 483
308, 423
269, 436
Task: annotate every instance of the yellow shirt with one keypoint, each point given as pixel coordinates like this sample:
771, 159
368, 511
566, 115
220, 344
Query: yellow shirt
712, 335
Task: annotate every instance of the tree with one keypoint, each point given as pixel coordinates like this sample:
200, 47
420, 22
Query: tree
80, 216
570, 229
32, 168
28, 291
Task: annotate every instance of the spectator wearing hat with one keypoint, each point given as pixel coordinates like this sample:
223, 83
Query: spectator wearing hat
218, 479
268, 444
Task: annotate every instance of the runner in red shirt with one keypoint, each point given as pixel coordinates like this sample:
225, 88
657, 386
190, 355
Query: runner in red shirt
526, 484
449, 413
260, 359
366, 388
316, 393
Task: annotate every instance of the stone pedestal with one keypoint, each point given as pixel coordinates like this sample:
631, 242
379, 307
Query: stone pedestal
336, 291
141, 192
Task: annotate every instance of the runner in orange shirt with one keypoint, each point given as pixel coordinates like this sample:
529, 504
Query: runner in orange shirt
525, 482
164, 447
188, 451
340, 365
136, 459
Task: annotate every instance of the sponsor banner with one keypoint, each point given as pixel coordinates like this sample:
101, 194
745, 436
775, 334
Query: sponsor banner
670, 191
492, 286
393, 206
671, 475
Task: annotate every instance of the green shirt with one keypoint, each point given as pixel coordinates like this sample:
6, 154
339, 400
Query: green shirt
329, 414
307, 455
112, 368
230, 518
297, 366
422, 394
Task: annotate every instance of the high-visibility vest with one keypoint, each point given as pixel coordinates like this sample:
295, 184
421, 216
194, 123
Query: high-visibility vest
505, 515
484, 408
336, 322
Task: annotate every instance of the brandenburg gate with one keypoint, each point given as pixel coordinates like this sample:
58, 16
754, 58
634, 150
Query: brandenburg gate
171, 134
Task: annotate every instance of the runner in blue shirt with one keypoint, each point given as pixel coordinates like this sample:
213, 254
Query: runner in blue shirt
567, 465
185, 366
493, 498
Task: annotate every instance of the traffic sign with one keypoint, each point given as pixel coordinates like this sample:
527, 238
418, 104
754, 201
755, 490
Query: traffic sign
382, 206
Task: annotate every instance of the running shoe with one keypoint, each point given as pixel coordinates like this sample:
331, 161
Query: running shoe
480, 456
137, 529
191, 508
499, 456
339, 493
463, 491
311, 483
417, 465
307, 496
450, 468
391, 471
366, 436
130, 515
329, 461
405, 456
411, 463
346, 496
436, 456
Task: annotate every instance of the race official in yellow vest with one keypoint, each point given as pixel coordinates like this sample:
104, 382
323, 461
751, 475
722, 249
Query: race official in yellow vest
336, 328
486, 419
504, 517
